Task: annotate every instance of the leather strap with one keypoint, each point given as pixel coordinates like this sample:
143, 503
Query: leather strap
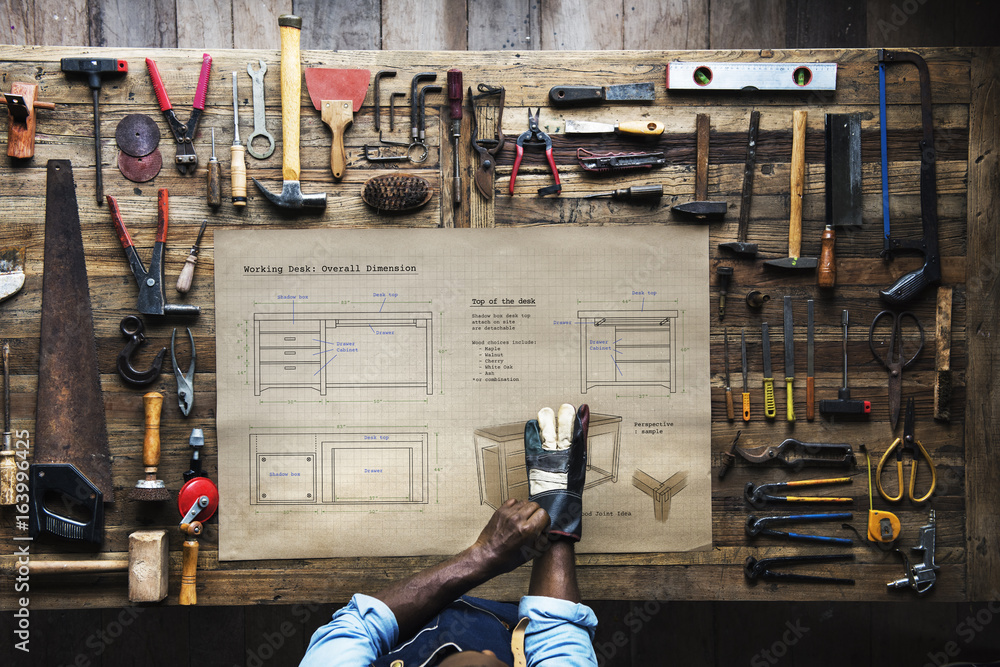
517, 643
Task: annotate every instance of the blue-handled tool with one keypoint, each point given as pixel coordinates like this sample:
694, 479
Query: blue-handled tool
758, 526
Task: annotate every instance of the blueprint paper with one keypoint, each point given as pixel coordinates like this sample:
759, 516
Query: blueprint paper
373, 384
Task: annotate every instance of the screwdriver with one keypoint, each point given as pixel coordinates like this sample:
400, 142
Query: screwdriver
214, 174
634, 192
746, 389
455, 105
730, 413
239, 168
187, 273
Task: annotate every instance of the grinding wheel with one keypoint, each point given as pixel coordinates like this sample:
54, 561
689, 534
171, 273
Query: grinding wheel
137, 135
140, 169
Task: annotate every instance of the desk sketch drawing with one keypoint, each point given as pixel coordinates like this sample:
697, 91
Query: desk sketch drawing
373, 384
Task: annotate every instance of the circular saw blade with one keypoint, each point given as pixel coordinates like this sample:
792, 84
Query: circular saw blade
140, 169
137, 135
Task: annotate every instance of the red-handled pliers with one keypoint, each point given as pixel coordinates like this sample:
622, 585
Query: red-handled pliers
535, 137
187, 161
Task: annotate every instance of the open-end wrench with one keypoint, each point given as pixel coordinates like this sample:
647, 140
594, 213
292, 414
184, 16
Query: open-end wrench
259, 124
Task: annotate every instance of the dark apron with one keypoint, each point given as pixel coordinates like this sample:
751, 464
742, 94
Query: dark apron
467, 624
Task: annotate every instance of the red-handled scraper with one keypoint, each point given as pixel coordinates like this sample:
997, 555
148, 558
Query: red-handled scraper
337, 94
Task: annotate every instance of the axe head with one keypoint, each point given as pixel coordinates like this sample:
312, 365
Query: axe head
291, 196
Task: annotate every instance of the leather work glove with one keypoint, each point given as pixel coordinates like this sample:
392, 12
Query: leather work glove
555, 452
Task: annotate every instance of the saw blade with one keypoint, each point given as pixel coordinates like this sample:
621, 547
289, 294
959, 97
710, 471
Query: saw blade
137, 134
70, 422
140, 169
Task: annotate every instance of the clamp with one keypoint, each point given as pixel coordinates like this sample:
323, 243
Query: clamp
758, 496
185, 381
187, 160
758, 526
152, 297
535, 137
755, 569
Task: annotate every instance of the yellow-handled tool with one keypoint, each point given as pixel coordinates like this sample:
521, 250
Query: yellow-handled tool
789, 360
770, 409
746, 389
648, 128
883, 526
908, 443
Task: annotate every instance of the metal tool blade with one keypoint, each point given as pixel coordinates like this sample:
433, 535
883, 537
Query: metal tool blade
765, 343
70, 422
809, 338
725, 343
137, 134
789, 340
743, 354
587, 127
843, 169
632, 92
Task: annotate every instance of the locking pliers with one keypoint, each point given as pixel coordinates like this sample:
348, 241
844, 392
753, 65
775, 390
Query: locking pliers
187, 161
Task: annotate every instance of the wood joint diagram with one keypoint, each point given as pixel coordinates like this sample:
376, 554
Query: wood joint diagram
325, 351
628, 347
661, 492
500, 458
333, 467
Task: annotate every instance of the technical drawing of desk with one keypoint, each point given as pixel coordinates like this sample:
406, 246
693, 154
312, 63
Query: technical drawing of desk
500, 458
322, 351
628, 347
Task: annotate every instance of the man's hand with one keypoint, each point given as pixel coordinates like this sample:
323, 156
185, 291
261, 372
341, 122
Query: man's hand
555, 453
512, 535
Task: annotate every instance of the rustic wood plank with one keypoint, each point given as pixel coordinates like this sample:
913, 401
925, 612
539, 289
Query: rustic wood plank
340, 24
565, 27
814, 24
911, 24
61, 22
496, 25
117, 23
983, 280
255, 24
204, 25
673, 24
17, 23
757, 25
424, 25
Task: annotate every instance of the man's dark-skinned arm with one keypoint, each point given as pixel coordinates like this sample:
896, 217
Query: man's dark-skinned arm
506, 542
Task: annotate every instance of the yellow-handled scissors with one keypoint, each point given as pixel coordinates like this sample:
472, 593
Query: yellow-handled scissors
908, 443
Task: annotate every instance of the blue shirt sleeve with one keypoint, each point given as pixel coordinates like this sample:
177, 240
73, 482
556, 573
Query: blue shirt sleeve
560, 633
360, 632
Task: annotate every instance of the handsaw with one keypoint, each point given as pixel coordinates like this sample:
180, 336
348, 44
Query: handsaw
70, 424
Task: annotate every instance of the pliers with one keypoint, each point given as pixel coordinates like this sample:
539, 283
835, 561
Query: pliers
152, 297
535, 137
185, 381
755, 569
759, 526
796, 454
187, 161
758, 496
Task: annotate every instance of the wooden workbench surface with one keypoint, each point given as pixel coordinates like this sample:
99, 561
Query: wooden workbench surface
964, 92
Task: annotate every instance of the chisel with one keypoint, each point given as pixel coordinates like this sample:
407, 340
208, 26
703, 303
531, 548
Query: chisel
789, 360
810, 380
770, 409
730, 412
746, 389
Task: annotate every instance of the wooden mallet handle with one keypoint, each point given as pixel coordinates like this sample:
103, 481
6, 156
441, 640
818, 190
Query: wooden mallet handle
797, 182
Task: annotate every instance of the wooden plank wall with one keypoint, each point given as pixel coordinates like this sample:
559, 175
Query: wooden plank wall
631, 633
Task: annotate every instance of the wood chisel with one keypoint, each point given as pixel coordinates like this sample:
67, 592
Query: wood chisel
730, 411
810, 380
789, 360
72, 460
579, 95
770, 409
640, 128
751, 76
942, 356
746, 388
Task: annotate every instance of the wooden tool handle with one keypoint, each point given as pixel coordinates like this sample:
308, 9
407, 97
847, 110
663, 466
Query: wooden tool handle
942, 327
810, 398
703, 126
730, 410
290, 29
8, 477
238, 175
213, 183
77, 566
797, 183
646, 128
189, 573
826, 275
152, 403
338, 114
187, 274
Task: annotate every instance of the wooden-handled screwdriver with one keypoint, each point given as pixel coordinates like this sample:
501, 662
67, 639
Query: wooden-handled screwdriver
187, 273
238, 154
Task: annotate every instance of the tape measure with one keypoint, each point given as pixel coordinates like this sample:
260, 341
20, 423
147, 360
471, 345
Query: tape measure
751, 76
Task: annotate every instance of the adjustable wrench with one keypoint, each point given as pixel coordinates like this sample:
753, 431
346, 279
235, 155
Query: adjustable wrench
259, 125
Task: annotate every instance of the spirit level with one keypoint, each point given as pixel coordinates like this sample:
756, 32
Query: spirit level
751, 76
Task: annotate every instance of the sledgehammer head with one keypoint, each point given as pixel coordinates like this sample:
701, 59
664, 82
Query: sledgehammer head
291, 196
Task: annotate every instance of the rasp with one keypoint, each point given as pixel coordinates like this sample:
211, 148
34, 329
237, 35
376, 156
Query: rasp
789, 360
70, 423
765, 343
